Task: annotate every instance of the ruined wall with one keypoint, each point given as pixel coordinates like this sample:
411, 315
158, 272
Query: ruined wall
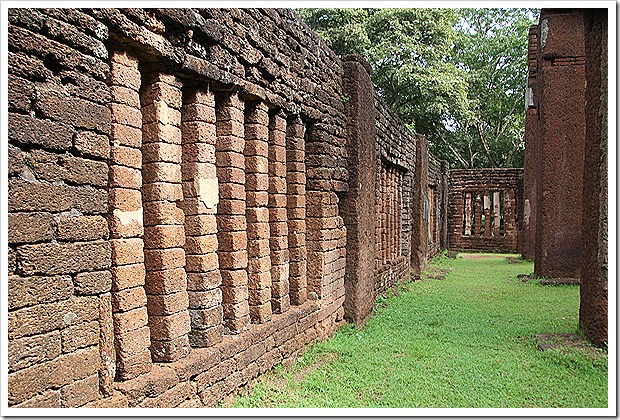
179, 184
395, 147
174, 226
484, 209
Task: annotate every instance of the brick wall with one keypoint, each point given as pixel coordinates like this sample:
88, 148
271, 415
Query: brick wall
181, 201
484, 213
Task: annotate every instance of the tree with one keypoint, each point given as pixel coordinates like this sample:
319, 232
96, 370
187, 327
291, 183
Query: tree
409, 51
456, 76
491, 47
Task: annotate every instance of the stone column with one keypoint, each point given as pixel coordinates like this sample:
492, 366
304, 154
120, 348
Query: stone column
561, 78
468, 215
231, 216
278, 220
200, 199
296, 209
531, 160
360, 207
126, 224
593, 308
487, 214
419, 249
496, 213
164, 233
257, 213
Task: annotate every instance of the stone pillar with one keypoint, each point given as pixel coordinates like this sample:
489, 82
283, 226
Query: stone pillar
278, 219
487, 214
126, 224
593, 307
561, 79
231, 211
531, 160
257, 213
477, 214
200, 199
419, 249
296, 209
359, 207
496, 213
445, 169
468, 213
164, 233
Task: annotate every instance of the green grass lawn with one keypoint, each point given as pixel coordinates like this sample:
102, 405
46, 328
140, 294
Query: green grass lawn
470, 340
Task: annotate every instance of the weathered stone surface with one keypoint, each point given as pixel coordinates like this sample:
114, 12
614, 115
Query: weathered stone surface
55, 197
152, 384
245, 191
56, 258
28, 351
30, 227
48, 317
63, 370
32, 290
28, 130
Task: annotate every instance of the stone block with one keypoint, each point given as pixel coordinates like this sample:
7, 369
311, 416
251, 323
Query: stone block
56, 258
127, 276
80, 392
172, 350
164, 259
130, 321
205, 299
165, 281
32, 290
128, 299
28, 351
167, 304
81, 228
61, 371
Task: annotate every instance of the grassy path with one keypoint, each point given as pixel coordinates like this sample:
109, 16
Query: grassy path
469, 340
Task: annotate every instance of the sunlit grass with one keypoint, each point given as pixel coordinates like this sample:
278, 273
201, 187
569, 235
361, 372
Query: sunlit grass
467, 341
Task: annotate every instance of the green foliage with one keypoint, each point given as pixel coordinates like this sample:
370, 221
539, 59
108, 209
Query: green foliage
455, 75
466, 341
492, 48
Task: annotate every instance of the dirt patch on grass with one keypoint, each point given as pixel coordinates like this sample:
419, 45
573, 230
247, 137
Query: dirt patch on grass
434, 273
567, 342
476, 256
324, 359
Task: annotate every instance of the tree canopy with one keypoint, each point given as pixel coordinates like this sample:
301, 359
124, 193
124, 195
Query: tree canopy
455, 75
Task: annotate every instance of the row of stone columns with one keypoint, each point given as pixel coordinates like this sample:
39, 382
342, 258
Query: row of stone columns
491, 205
389, 216
207, 215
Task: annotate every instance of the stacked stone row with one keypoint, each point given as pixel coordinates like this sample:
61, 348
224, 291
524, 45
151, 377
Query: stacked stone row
296, 209
164, 233
278, 225
489, 203
257, 213
200, 199
389, 220
231, 211
126, 224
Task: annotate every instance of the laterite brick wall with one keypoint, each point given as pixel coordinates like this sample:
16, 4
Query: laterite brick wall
484, 213
184, 205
